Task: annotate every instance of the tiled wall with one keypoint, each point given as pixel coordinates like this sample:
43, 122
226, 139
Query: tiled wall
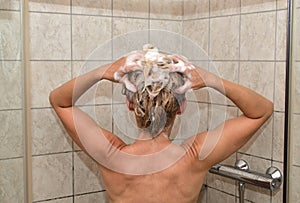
246, 41
11, 104
67, 38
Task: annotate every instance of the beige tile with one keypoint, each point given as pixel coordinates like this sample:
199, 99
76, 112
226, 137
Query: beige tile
218, 114
295, 90
57, 6
195, 43
100, 93
52, 176
166, 35
99, 197
11, 82
278, 137
168, 9
224, 7
50, 36
132, 8
281, 35
295, 139
87, 176
254, 193
257, 36
224, 45
294, 194
91, 34
257, 5
296, 28
282, 4
10, 35
12, 4
195, 9
11, 134
129, 34
92, 7
12, 180
202, 196
214, 196
258, 76
279, 94
260, 143
45, 77
48, 134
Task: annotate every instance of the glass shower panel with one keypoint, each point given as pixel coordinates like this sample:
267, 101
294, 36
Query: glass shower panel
11, 104
294, 179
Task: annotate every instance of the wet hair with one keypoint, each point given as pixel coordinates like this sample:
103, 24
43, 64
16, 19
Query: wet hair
154, 107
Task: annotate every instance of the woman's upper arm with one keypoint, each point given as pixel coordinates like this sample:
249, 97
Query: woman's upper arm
218, 144
90, 137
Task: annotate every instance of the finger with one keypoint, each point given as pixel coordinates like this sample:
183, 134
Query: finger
131, 87
184, 88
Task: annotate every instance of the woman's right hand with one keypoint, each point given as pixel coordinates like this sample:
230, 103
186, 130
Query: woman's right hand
195, 77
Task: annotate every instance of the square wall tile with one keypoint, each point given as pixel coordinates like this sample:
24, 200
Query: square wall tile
101, 92
166, 35
11, 85
48, 133
195, 41
218, 114
52, 176
278, 137
295, 184
90, 33
12, 180
193, 9
10, 35
11, 134
279, 92
224, 38
295, 139
224, 7
132, 8
214, 196
258, 76
10, 5
50, 36
92, 7
56, 6
260, 144
87, 176
45, 77
99, 197
258, 36
168, 9
248, 6
281, 35
296, 28
295, 88
129, 34
282, 4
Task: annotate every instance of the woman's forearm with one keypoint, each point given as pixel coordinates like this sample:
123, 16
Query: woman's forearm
252, 104
67, 94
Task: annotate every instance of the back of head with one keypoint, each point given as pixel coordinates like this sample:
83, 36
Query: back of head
155, 103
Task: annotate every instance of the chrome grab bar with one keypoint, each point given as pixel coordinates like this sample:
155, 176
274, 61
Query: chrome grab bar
271, 180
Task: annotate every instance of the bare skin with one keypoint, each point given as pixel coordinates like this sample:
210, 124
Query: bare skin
187, 174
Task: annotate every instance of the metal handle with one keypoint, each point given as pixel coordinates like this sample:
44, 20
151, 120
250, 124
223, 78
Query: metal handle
271, 180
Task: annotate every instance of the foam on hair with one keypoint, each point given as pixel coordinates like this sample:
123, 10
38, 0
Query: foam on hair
155, 103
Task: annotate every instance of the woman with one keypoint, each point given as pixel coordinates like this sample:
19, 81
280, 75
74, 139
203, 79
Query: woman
152, 169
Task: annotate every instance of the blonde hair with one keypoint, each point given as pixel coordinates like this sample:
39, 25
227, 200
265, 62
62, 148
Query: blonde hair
156, 107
